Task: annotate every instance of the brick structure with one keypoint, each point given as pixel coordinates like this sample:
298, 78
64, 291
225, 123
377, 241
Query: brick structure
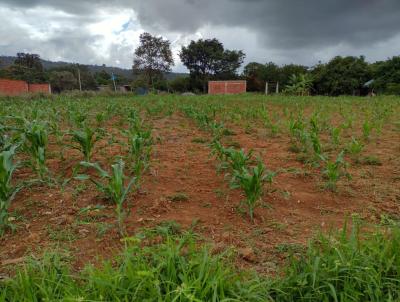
44, 88
227, 87
15, 87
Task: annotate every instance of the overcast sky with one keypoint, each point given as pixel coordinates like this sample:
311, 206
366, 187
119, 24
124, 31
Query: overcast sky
282, 31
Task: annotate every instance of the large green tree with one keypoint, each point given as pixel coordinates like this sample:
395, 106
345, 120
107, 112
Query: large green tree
26, 67
341, 75
88, 81
152, 58
386, 76
258, 74
63, 80
103, 78
207, 59
28, 60
286, 73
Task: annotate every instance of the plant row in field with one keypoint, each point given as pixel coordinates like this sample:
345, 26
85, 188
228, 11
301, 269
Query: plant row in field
246, 174
327, 145
24, 142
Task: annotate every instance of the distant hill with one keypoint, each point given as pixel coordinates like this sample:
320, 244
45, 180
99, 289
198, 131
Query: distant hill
127, 73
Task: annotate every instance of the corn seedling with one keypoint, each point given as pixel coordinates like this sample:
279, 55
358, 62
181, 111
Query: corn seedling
77, 117
100, 118
140, 150
367, 128
295, 126
237, 160
85, 141
252, 182
334, 170
135, 123
316, 144
335, 135
355, 147
35, 140
112, 185
314, 124
218, 150
217, 129
7, 189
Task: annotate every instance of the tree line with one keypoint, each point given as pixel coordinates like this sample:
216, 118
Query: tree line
207, 59
28, 67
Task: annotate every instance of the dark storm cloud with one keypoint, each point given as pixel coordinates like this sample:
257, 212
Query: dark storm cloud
283, 23
299, 31
72, 6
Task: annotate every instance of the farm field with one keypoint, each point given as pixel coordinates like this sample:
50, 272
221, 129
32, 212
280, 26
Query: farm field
251, 178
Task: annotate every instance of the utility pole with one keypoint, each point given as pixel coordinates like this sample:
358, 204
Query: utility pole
113, 79
79, 79
277, 87
266, 88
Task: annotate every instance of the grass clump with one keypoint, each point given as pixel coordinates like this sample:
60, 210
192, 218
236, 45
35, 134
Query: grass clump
175, 270
178, 197
344, 267
199, 140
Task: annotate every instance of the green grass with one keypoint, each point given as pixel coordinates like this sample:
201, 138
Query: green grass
199, 140
179, 197
175, 270
344, 267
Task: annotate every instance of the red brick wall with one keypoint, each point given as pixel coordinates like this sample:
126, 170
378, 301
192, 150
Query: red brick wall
45, 88
13, 87
227, 87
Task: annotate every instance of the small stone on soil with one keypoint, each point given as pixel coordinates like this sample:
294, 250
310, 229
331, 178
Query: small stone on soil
247, 254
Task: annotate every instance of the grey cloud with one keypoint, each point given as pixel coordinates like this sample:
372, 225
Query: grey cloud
299, 31
283, 23
73, 6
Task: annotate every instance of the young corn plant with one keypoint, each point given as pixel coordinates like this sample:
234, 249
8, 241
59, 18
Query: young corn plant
217, 129
299, 135
367, 129
355, 148
112, 185
140, 150
134, 120
7, 189
302, 141
236, 160
85, 141
274, 129
316, 144
100, 118
334, 170
218, 150
77, 117
35, 140
252, 183
335, 136
314, 123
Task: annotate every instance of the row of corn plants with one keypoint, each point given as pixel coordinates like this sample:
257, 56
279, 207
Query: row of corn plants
115, 185
25, 140
245, 173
